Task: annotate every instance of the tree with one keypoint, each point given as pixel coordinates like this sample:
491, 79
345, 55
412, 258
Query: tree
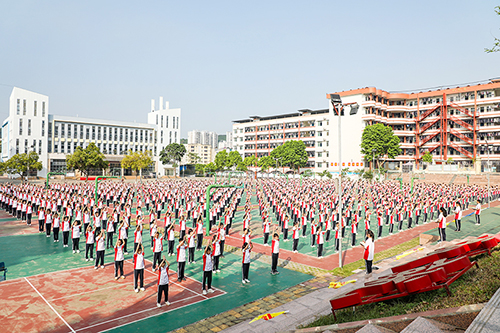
172, 154
325, 173
496, 41
380, 138
221, 160
241, 167
291, 154
19, 164
266, 162
137, 161
251, 161
449, 160
199, 168
427, 157
211, 167
233, 159
193, 158
85, 159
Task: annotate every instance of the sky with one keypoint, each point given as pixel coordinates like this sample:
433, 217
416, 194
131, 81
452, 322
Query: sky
226, 60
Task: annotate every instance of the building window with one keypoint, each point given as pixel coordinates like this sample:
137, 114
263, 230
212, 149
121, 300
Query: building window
161, 125
142, 135
43, 127
121, 134
17, 146
156, 119
176, 133
104, 136
56, 130
62, 135
56, 148
25, 146
69, 130
81, 132
75, 131
88, 134
173, 122
62, 147
69, 147
126, 134
18, 107
93, 133
116, 135
39, 147
24, 107
29, 126
20, 127
99, 133
34, 108
166, 121
43, 109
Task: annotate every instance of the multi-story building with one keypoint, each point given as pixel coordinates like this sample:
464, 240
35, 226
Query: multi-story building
449, 123
31, 127
260, 135
203, 137
455, 122
205, 152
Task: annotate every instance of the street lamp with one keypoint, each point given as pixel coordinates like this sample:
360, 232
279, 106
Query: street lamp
489, 170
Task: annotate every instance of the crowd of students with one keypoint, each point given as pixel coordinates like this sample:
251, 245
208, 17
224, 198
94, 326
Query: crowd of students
288, 211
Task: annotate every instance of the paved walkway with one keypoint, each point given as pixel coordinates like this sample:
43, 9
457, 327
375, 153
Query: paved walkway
488, 320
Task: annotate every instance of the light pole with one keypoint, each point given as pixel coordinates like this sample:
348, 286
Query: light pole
489, 170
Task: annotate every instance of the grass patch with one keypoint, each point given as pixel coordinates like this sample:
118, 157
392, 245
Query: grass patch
475, 286
348, 269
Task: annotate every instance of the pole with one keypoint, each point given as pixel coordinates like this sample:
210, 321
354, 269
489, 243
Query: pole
340, 184
489, 172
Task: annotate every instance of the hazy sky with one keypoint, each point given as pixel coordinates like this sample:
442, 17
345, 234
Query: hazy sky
225, 60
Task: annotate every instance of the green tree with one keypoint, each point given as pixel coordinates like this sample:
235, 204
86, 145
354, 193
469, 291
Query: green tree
233, 159
241, 167
193, 158
211, 167
199, 168
427, 157
496, 41
379, 140
19, 164
266, 162
291, 154
221, 160
449, 160
85, 159
325, 173
172, 154
251, 161
137, 161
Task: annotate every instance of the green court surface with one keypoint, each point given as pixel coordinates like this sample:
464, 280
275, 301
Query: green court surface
490, 224
28, 255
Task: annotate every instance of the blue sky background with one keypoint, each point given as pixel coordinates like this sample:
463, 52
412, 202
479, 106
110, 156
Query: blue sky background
226, 60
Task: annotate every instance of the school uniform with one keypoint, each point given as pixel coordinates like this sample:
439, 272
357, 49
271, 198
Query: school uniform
163, 281
458, 218
181, 261
56, 225
171, 241
199, 235
119, 260
110, 230
89, 244
295, 237
442, 227
138, 271
157, 248
245, 264
100, 248
478, 213
75, 237
216, 253
321, 241
275, 252
191, 247
207, 271
267, 226
65, 230
368, 254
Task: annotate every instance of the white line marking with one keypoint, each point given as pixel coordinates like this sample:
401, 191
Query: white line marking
87, 292
157, 314
72, 330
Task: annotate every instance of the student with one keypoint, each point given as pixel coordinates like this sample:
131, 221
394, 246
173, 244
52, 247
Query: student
458, 216
217, 252
321, 241
65, 230
275, 252
191, 246
478, 212
122, 234
110, 229
246, 249
295, 236
139, 268
222, 237
137, 235
89, 243
75, 236
207, 270
29, 212
100, 248
153, 227
354, 231
171, 239
442, 224
314, 227
163, 280
48, 222
119, 259
56, 226
369, 246
157, 248
181, 260
337, 236
199, 233
265, 228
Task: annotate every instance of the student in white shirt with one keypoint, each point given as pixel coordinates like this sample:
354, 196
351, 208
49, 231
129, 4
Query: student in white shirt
478, 212
208, 264
75, 236
100, 248
458, 216
119, 259
181, 260
139, 268
163, 281
89, 243
65, 230
369, 246
246, 249
56, 224
157, 248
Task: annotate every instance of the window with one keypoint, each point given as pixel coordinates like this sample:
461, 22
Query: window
43, 127
34, 108
24, 107
176, 133
93, 132
20, 127
62, 147
69, 130
173, 122
98, 133
121, 134
56, 148
156, 119
75, 131
170, 136
43, 109
18, 107
88, 134
81, 132
29, 126
17, 146
62, 135
39, 147
161, 125
166, 121
25, 146
126, 134
69, 147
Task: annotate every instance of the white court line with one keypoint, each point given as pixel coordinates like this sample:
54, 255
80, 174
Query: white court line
54, 272
134, 321
72, 330
194, 292
87, 292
